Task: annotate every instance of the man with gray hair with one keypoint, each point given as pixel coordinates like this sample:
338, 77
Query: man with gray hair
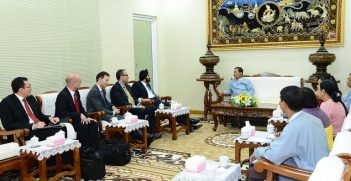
68, 104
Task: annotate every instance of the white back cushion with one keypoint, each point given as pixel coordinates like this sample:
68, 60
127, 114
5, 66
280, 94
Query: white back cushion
328, 168
342, 143
347, 123
48, 106
83, 97
267, 89
108, 93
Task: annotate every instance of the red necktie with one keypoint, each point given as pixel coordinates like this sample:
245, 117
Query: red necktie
29, 112
76, 104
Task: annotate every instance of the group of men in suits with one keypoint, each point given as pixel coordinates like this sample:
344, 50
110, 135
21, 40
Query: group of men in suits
20, 111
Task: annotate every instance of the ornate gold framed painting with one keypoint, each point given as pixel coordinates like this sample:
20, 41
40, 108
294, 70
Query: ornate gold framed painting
245, 24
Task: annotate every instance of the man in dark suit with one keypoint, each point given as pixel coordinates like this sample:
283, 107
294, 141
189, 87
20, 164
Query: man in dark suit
143, 90
121, 95
96, 99
20, 111
68, 104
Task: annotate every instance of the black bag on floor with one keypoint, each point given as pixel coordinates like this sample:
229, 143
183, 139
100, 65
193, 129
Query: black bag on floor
92, 164
116, 152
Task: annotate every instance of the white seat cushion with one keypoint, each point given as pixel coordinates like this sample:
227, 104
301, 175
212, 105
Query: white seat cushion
267, 89
342, 143
9, 150
328, 168
347, 123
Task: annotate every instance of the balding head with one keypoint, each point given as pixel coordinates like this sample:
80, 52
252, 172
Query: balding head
73, 81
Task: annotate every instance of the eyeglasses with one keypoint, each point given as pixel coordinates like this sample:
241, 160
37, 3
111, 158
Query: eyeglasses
124, 75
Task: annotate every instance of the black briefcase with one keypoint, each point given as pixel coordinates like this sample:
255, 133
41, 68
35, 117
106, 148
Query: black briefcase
116, 152
92, 164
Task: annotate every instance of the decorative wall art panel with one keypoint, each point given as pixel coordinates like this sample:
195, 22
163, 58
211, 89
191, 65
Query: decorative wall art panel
236, 24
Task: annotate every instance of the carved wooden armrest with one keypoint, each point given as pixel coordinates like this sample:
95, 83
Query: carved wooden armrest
166, 98
285, 170
124, 109
147, 102
18, 135
98, 115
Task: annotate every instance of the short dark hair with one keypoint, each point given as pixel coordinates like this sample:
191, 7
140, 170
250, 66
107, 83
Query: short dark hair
309, 98
292, 96
328, 77
119, 73
240, 69
101, 74
18, 83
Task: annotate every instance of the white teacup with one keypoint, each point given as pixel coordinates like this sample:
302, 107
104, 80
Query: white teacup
161, 106
223, 161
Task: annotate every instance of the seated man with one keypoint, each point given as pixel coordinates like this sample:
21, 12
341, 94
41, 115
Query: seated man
239, 84
301, 144
347, 97
96, 99
20, 111
68, 104
122, 95
142, 90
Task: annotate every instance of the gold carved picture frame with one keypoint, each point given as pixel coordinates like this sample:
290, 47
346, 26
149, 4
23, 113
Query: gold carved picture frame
256, 24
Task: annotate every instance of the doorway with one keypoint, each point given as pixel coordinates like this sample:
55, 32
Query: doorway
145, 49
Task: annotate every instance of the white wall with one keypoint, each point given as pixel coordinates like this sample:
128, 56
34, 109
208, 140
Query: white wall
182, 39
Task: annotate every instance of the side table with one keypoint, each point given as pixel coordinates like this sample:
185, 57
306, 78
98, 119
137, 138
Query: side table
171, 116
43, 153
258, 140
125, 129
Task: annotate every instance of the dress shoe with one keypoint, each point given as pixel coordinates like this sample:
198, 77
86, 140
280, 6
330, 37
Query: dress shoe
194, 121
195, 127
157, 135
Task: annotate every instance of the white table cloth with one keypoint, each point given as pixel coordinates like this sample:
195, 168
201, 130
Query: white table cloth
128, 127
175, 113
211, 172
44, 151
259, 137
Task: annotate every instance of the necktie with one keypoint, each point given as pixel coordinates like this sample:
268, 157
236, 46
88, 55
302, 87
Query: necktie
130, 98
103, 92
29, 112
76, 104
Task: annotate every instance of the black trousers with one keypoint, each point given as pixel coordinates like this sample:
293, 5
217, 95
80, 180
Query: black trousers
148, 111
87, 134
252, 175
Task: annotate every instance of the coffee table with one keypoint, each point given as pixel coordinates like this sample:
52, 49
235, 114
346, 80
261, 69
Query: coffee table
263, 110
125, 129
43, 153
171, 115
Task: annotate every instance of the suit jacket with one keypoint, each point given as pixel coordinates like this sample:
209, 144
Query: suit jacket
97, 102
14, 116
140, 91
119, 97
64, 106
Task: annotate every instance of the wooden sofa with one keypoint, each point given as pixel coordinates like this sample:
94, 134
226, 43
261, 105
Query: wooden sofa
267, 92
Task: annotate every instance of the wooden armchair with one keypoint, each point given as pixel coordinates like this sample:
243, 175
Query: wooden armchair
284, 170
13, 163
